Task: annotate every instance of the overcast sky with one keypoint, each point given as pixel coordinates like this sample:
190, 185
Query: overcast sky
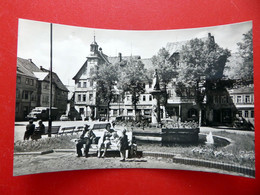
71, 44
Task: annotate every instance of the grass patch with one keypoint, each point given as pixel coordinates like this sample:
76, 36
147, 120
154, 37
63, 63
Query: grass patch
49, 143
241, 152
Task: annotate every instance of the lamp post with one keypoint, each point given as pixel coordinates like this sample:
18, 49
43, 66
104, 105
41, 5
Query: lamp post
50, 97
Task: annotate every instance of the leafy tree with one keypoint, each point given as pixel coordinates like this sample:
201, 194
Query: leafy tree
106, 77
200, 61
132, 79
245, 69
201, 58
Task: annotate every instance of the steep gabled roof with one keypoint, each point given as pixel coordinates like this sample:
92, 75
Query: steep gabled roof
174, 47
56, 80
26, 67
83, 67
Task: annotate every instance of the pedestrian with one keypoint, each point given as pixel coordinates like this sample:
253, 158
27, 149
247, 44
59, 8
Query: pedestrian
86, 138
123, 145
29, 130
39, 131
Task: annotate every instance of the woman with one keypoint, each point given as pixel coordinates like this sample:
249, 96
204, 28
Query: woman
104, 141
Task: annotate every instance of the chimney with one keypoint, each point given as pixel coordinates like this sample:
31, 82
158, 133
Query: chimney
120, 57
41, 67
30, 60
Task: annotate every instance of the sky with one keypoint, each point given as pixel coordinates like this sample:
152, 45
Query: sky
71, 44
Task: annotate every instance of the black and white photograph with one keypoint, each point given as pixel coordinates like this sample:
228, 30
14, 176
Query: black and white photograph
89, 98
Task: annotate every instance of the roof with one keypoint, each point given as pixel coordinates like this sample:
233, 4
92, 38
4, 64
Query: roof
174, 47
56, 80
241, 90
26, 67
40, 75
116, 59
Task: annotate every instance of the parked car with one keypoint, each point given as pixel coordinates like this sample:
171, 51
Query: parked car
64, 118
42, 113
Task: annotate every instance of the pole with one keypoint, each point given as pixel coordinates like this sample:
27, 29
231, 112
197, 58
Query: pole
50, 97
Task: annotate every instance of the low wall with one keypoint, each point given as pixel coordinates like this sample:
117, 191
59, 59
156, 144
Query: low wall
180, 135
168, 136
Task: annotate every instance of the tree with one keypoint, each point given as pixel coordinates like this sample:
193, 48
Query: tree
106, 77
201, 61
132, 80
201, 58
245, 69
165, 68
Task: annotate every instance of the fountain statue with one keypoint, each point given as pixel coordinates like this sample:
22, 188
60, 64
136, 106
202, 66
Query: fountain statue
156, 92
209, 139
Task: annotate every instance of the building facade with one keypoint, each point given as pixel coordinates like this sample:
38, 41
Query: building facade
219, 107
32, 89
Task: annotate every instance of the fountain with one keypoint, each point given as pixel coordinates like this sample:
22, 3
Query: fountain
156, 93
209, 139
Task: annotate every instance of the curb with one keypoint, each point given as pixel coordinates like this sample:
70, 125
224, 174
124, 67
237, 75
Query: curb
202, 163
34, 153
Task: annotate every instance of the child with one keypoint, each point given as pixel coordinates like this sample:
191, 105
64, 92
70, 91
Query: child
123, 145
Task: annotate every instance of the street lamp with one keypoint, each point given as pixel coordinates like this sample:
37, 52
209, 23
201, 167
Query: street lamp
50, 100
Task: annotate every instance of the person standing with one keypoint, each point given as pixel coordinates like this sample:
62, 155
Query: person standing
86, 138
29, 130
123, 145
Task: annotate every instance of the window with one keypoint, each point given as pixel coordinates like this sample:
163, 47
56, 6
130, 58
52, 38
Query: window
81, 110
247, 99
150, 85
240, 113
246, 114
91, 83
114, 112
84, 84
27, 81
84, 98
128, 98
90, 97
25, 95
223, 99
79, 84
144, 98
129, 112
79, 98
150, 97
239, 99
252, 114
31, 82
18, 79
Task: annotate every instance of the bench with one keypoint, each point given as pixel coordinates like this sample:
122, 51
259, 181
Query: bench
100, 126
79, 129
66, 130
54, 130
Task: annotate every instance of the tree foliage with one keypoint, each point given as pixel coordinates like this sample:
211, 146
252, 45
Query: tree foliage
201, 58
245, 70
132, 79
106, 77
166, 70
